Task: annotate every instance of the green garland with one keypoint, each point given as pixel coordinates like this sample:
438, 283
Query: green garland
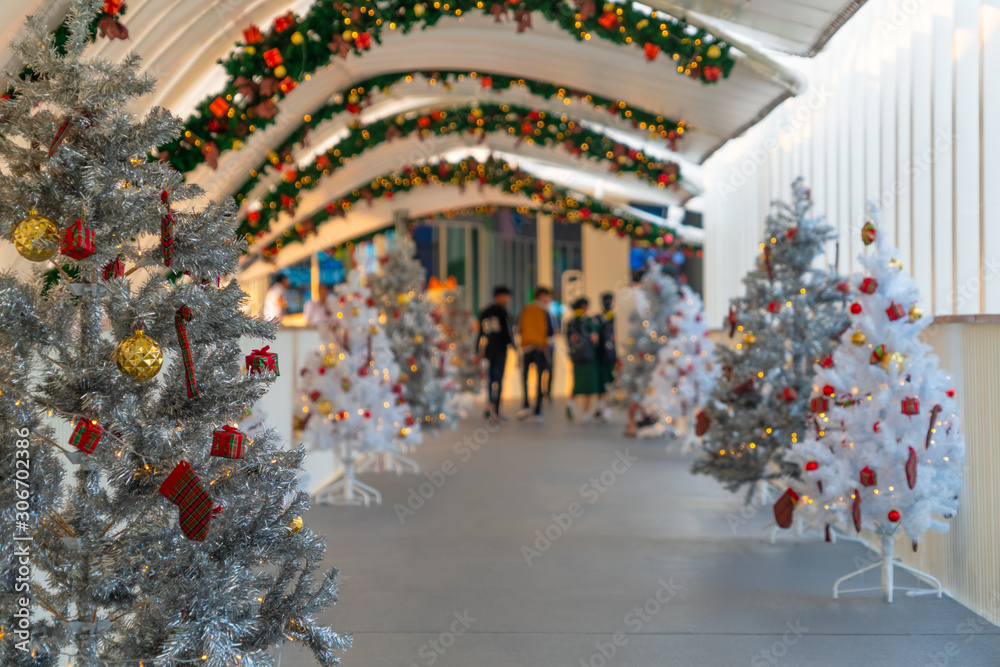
269, 66
467, 173
528, 124
185, 153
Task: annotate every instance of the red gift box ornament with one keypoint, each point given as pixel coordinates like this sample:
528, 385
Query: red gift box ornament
819, 404
868, 477
773, 306
113, 269
895, 311
868, 285
877, 355
261, 360
608, 20
183, 488
784, 507
86, 436
826, 361
363, 40
283, 23
251, 35
868, 233
219, 107
228, 442
911, 468
702, 422
651, 50
273, 58
78, 241
789, 394
910, 406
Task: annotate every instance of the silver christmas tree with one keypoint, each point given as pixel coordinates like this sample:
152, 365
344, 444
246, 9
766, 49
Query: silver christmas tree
459, 327
170, 538
413, 327
787, 321
655, 300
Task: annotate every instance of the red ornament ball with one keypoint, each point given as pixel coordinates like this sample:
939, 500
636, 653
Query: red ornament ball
811, 465
828, 390
894, 516
856, 308
321, 370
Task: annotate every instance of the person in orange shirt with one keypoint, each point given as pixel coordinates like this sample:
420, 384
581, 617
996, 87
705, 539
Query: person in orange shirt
536, 329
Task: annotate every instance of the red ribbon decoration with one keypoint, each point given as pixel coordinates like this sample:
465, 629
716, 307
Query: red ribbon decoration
181, 318
167, 231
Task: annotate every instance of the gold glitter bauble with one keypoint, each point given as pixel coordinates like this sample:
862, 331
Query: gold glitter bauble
355, 311
403, 298
896, 357
859, 338
749, 338
296, 524
418, 339
36, 238
916, 313
139, 356
373, 330
325, 407
330, 359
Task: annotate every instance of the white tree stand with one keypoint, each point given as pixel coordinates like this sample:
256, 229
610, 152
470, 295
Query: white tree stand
887, 562
394, 461
347, 490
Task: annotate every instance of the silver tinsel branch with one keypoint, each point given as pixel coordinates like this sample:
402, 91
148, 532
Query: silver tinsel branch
787, 321
113, 580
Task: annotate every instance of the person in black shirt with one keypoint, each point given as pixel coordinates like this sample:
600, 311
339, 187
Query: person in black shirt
607, 353
496, 331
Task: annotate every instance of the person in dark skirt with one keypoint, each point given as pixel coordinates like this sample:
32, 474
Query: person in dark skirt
582, 338
607, 354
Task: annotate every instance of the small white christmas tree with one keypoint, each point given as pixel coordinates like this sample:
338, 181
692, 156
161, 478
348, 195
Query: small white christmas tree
685, 372
412, 326
352, 393
656, 300
884, 450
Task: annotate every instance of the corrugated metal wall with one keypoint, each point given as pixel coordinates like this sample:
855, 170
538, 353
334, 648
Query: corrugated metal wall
967, 558
900, 107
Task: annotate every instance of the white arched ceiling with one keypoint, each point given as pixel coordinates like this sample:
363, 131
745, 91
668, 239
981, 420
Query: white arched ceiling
414, 150
582, 176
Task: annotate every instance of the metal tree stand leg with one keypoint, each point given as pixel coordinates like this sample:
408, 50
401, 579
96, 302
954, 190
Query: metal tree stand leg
389, 461
348, 490
888, 563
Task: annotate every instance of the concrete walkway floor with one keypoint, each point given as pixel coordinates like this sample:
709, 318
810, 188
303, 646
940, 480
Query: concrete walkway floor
562, 544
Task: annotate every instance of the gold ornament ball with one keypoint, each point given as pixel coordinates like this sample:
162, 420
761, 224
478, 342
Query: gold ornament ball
296, 524
325, 407
642, 23
749, 338
249, 50
353, 98
373, 330
713, 52
330, 359
280, 71
139, 356
297, 38
36, 238
403, 298
347, 35
896, 358
916, 313
355, 311
859, 338
418, 10
418, 339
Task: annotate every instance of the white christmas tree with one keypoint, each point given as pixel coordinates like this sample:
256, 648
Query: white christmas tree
685, 372
351, 390
413, 327
884, 450
459, 328
648, 328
